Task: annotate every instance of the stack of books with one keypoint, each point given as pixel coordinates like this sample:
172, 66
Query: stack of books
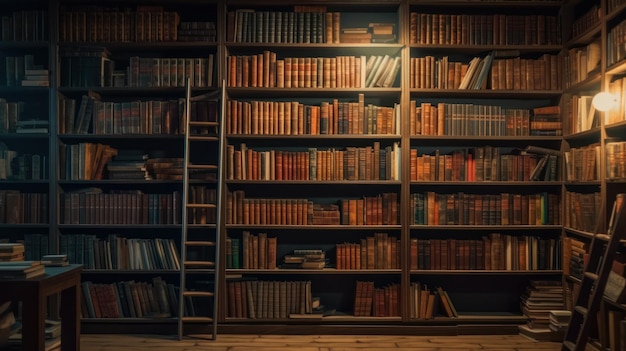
10, 252
540, 299
128, 164
53, 336
559, 320
21, 269
383, 32
54, 260
32, 126
36, 78
305, 259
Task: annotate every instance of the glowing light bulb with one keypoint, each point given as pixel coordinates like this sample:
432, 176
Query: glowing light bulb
604, 101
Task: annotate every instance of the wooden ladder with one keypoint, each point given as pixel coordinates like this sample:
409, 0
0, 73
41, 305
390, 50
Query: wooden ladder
595, 276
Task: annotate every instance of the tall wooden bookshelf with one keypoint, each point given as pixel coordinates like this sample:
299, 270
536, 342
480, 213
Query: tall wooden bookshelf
291, 137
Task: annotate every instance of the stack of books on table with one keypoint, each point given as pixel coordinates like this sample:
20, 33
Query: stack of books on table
21, 269
54, 260
10, 252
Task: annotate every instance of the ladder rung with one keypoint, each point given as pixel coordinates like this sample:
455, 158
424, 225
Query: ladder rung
200, 243
198, 293
203, 124
591, 275
199, 264
603, 237
201, 205
570, 345
580, 309
196, 166
203, 138
197, 319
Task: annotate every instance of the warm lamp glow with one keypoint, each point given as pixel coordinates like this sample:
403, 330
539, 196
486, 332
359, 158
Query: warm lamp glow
604, 101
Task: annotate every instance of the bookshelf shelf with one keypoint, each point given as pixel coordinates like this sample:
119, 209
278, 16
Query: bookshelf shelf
133, 272
487, 183
311, 92
486, 227
481, 49
490, 94
579, 233
142, 46
325, 271
486, 272
315, 227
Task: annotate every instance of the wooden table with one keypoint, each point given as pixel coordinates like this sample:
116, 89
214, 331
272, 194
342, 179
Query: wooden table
34, 292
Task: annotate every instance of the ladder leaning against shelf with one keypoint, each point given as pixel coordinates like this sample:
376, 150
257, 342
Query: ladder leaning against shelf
595, 277
198, 298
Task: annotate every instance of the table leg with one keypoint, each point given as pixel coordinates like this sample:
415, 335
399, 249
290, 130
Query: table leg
70, 319
33, 323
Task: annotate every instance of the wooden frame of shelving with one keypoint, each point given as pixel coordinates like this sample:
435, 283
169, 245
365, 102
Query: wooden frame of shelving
403, 94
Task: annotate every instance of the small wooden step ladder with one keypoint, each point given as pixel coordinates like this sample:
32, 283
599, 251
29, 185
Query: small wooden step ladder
595, 276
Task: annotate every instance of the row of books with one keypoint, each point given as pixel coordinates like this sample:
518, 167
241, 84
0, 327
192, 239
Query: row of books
581, 210
130, 299
431, 208
425, 303
11, 112
94, 206
103, 24
250, 26
616, 160
481, 164
295, 118
89, 115
613, 4
370, 210
258, 251
484, 29
21, 208
494, 251
580, 114
575, 256
586, 21
22, 166
615, 44
496, 73
379, 251
370, 300
476, 120
582, 163
121, 253
36, 246
268, 71
350, 163
580, 63
617, 88
259, 299
94, 68
25, 25
22, 71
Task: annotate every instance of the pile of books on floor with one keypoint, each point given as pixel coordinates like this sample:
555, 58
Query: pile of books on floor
53, 336
21, 269
11, 252
538, 301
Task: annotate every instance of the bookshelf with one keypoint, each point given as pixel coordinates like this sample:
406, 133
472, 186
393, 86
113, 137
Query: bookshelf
25, 128
470, 188
304, 102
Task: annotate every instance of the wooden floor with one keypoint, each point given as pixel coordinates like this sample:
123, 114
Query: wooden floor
231, 342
